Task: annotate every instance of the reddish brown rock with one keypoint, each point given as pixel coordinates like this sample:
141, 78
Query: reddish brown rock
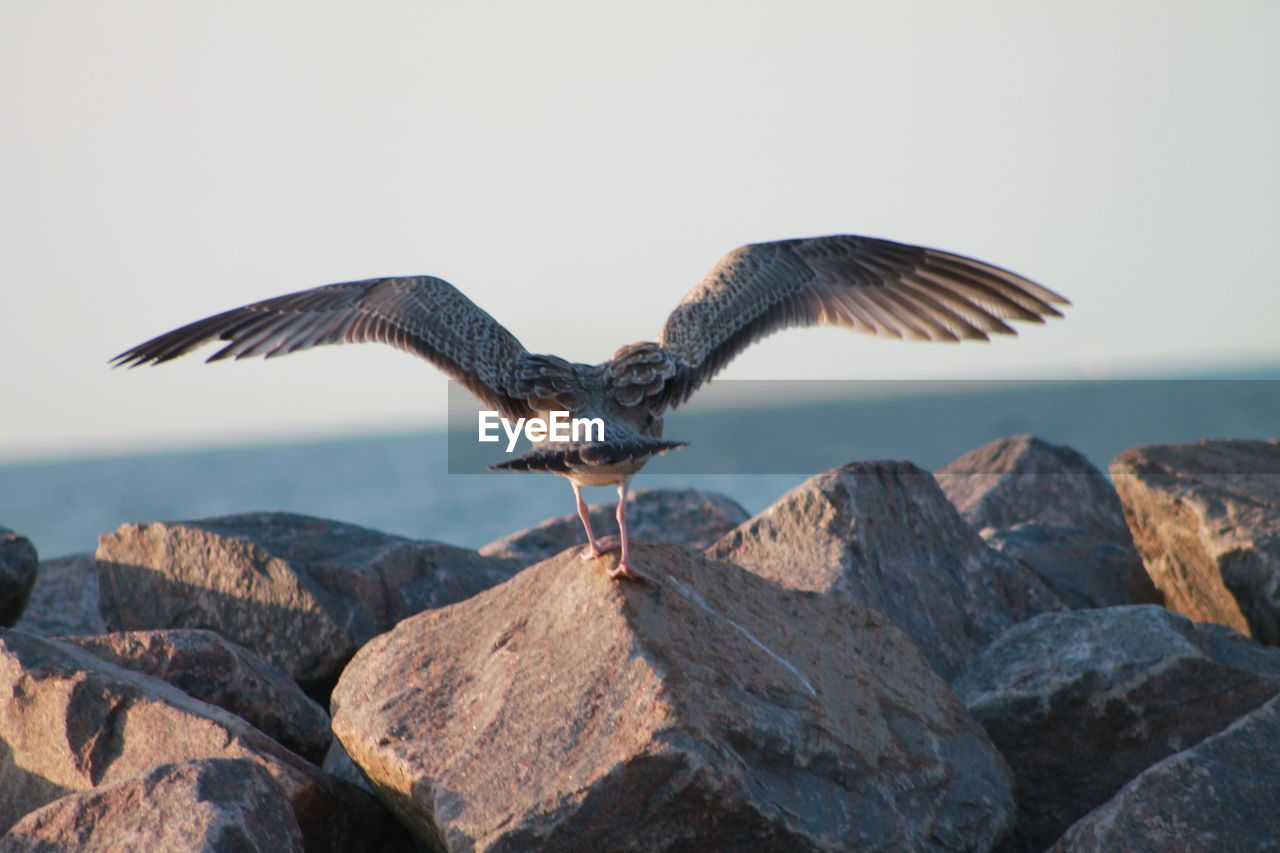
70, 721
18, 561
1218, 795
304, 593
1049, 507
214, 670
882, 534
712, 711
685, 517
1206, 519
1081, 702
213, 805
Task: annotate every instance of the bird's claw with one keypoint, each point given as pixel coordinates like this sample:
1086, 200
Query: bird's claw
623, 571
600, 547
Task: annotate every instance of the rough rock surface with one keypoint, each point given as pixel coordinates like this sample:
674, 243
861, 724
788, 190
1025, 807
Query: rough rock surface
70, 721
213, 805
1048, 506
214, 670
1081, 702
712, 711
1218, 795
685, 517
1206, 519
1081, 570
18, 561
882, 534
304, 593
1025, 478
65, 599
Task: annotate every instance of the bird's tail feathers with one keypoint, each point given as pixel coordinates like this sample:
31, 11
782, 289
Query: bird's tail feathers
565, 458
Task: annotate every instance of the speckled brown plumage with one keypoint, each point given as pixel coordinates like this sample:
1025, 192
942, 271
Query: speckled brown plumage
865, 284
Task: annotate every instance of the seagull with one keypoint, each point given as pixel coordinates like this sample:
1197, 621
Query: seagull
866, 284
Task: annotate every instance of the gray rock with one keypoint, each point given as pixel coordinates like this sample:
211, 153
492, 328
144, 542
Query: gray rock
712, 711
18, 561
1206, 519
304, 593
70, 721
883, 535
1082, 570
214, 670
65, 599
1049, 507
1081, 702
1025, 478
1218, 795
210, 805
685, 517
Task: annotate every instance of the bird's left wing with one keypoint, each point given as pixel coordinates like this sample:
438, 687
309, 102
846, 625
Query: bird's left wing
866, 284
421, 314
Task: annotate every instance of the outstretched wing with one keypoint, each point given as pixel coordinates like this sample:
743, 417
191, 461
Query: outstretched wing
874, 286
421, 314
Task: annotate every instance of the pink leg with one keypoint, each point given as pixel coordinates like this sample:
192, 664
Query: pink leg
623, 569
593, 548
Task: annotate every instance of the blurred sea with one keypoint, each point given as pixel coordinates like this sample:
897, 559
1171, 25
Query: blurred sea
401, 484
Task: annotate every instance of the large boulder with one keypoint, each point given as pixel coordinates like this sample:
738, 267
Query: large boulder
711, 710
685, 517
1048, 506
70, 721
304, 593
214, 670
65, 599
1025, 478
883, 535
210, 805
1081, 702
18, 561
1218, 795
1206, 518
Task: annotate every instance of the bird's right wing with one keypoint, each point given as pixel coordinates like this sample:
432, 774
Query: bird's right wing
421, 314
863, 283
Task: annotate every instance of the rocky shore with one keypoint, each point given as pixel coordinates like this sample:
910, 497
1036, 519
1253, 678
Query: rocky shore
1014, 653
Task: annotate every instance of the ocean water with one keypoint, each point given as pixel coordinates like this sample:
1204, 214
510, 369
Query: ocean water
402, 484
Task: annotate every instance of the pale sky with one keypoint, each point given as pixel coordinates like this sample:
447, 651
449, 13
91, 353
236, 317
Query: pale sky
575, 167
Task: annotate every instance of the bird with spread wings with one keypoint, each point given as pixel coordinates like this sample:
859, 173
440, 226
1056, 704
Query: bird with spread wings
869, 285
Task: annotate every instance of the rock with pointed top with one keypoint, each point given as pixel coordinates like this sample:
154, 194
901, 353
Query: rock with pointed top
1025, 478
1206, 519
1049, 507
712, 710
883, 534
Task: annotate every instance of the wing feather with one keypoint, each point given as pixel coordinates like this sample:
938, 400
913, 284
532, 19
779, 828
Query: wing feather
421, 314
869, 285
